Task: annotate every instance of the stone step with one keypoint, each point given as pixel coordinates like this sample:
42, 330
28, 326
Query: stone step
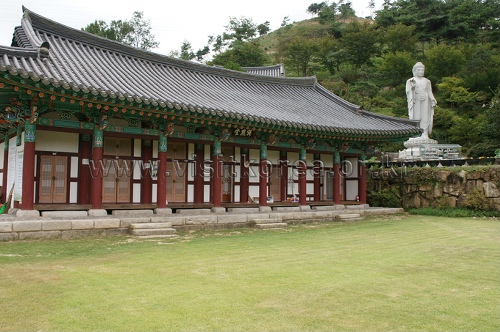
272, 225
151, 225
349, 216
154, 231
266, 220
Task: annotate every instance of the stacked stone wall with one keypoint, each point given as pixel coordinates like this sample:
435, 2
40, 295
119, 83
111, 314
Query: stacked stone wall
435, 186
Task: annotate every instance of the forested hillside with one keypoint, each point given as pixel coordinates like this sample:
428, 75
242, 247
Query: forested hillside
367, 61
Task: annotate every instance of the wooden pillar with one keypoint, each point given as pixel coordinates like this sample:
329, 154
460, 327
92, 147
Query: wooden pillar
283, 168
5, 190
96, 171
146, 178
336, 178
84, 179
244, 180
362, 181
217, 174
28, 186
161, 184
302, 171
199, 179
317, 177
263, 175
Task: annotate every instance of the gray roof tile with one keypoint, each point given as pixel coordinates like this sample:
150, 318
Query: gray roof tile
84, 62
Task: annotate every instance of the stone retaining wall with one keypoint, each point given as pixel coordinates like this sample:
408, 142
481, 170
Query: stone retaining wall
12, 228
423, 187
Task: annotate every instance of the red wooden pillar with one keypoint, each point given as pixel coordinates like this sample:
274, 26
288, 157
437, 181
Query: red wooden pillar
161, 184
146, 179
28, 166
336, 178
302, 171
5, 190
199, 179
263, 175
244, 180
84, 152
217, 175
96, 169
362, 182
317, 178
283, 169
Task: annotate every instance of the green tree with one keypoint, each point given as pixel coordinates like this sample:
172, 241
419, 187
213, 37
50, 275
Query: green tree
299, 55
330, 54
360, 41
315, 8
399, 38
395, 68
442, 61
135, 32
241, 54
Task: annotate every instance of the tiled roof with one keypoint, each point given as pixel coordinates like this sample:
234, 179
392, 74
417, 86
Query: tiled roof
276, 70
60, 56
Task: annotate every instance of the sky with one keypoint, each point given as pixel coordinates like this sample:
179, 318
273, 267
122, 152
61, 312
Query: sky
171, 22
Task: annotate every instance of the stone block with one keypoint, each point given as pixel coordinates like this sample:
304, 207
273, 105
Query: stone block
126, 222
107, 223
162, 211
218, 210
79, 233
27, 214
491, 190
9, 236
53, 225
251, 216
132, 213
193, 211
27, 226
65, 214
200, 220
305, 208
40, 235
282, 215
243, 210
286, 208
97, 213
176, 221
152, 225
231, 219
265, 209
82, 224
5, 227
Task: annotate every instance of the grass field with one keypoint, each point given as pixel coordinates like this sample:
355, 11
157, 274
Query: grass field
404, 273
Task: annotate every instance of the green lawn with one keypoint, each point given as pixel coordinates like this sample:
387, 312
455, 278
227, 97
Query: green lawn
404, 273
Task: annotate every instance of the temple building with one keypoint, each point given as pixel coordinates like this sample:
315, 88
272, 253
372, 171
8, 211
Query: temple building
90, 123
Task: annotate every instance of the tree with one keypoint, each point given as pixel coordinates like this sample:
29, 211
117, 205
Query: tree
315, 8
141, 36
330, 54
135, 32
399, 38
299, 55
360, 41
395, 68
241, 54
443, 60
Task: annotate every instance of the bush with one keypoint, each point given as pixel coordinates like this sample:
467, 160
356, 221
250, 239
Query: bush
476, 200
384, 198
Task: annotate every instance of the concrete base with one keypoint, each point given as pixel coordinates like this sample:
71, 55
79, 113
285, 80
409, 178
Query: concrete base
97, 213
27, 213
64, 214
218, 210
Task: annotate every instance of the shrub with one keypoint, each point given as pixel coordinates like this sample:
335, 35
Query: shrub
383, 198
454, 212
476, 200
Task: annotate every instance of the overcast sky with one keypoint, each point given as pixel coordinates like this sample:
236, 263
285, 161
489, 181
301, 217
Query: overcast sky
172, 22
